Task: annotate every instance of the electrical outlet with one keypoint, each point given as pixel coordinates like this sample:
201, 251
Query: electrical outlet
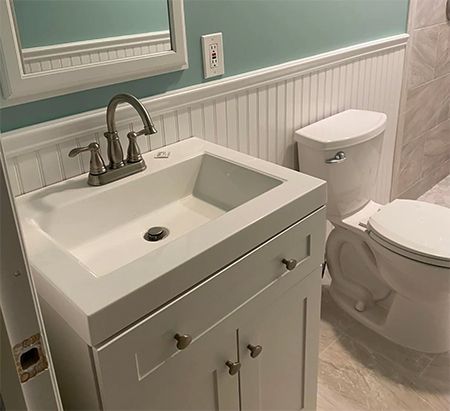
213, 61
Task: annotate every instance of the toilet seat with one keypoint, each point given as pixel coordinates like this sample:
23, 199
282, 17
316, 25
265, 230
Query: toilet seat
414, 229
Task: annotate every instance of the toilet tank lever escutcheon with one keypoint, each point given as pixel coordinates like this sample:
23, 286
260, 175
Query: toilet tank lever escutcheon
339, 157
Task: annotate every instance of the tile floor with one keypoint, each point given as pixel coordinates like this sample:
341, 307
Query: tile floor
439, 194
360, 370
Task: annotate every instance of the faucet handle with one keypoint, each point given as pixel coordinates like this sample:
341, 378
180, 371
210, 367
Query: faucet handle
134, 152
96, 164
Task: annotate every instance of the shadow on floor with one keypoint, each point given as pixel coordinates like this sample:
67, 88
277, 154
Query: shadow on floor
379, 357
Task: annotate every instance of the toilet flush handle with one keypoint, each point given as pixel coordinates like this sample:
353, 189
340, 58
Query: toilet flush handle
339, 157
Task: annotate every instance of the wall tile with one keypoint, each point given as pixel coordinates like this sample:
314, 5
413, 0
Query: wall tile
443, 50
423, 55
398, 151
437, 147
427, 181
411, 163
429, 12
426, 106
426, 101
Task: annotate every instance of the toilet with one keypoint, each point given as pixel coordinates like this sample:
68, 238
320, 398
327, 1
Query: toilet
389, 264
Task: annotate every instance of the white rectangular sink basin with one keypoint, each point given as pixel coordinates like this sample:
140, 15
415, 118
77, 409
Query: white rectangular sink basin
106, 230
86, 244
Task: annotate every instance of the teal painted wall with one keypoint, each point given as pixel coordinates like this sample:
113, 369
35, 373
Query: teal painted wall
257, 33
48, 22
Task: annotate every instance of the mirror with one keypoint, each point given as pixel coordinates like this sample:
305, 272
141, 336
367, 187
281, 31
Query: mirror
53, 47
55, 34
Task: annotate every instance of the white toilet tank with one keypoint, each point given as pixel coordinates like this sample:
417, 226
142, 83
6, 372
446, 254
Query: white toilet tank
344, 150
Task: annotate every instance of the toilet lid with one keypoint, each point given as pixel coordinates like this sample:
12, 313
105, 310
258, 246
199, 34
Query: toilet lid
415, 226
342, 130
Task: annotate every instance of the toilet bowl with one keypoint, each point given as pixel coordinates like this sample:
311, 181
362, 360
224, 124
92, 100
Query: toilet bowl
389, 264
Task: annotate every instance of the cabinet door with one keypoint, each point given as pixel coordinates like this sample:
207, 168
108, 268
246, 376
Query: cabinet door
285, 324
195, 378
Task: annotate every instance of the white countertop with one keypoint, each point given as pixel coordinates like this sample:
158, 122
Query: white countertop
97, 307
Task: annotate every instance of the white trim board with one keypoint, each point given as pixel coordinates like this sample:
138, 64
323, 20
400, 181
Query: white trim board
81, 53
256, 112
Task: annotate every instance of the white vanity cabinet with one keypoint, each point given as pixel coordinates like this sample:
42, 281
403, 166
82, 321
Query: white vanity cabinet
284, 323
279, 327
261, 303
134, 324
195, 378
254, 303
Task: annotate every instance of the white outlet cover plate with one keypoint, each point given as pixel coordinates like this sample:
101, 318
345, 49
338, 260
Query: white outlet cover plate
213, 57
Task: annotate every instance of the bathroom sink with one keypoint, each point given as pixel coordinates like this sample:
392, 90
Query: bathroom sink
90, 251
106, 230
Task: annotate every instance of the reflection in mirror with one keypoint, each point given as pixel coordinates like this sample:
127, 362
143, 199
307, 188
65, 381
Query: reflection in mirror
56, 34
55, 47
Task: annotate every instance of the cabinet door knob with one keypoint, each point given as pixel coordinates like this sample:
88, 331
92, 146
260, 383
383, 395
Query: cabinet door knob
255, 350
233, 367
183, 340
290, 264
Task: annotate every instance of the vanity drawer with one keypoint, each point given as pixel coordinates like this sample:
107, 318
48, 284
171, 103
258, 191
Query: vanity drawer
148, 344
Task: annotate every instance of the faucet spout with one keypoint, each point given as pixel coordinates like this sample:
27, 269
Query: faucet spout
149, 127
118, 167
115, 152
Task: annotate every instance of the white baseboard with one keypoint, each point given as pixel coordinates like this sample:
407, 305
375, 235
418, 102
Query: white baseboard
256, 112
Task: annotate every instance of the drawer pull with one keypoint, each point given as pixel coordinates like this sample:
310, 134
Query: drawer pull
183, 340
290, 264
234, 367
255, 350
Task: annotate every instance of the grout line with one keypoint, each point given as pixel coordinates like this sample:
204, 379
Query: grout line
426, 83
443, 23
427, 366
332, 342
423, 134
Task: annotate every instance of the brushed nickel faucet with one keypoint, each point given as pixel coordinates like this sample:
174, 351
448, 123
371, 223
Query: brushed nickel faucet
118, 167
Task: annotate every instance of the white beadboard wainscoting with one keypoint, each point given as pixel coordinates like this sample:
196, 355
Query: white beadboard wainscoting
80, 53
256, 113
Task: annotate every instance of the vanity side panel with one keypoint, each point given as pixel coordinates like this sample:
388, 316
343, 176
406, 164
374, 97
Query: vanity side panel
74, 367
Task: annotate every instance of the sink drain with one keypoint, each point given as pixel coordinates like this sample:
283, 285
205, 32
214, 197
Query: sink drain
156, 233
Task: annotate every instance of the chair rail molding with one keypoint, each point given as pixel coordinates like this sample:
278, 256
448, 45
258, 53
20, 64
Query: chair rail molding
256, 112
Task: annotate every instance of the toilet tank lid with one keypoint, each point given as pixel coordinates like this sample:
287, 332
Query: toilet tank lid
419, 227
342, 130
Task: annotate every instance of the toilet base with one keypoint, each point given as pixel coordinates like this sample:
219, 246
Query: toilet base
420, 326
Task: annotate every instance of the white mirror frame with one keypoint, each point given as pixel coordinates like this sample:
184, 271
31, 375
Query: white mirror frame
18, 87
